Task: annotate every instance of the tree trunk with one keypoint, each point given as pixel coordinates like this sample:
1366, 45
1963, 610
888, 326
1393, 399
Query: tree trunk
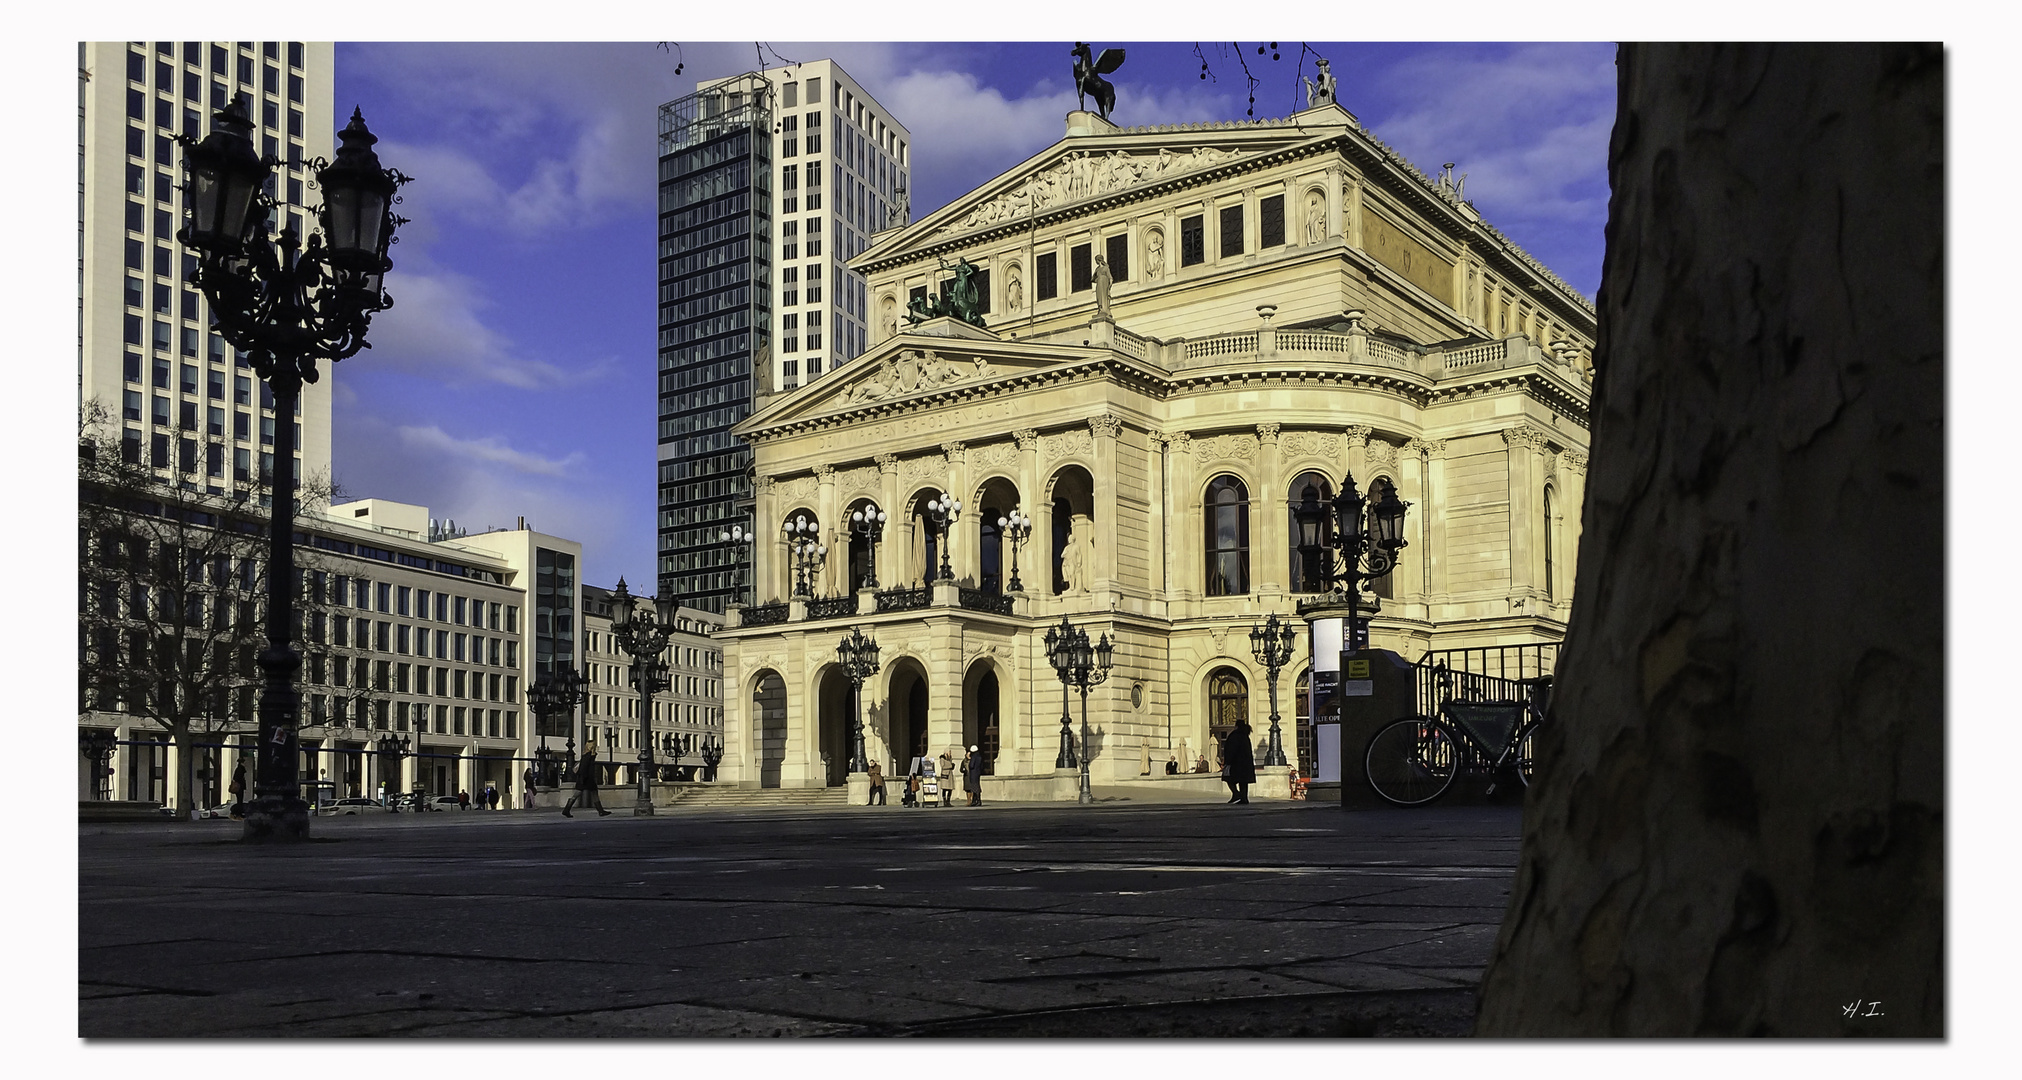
1738, 827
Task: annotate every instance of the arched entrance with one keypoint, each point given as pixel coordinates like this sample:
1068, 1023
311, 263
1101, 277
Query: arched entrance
1228, 704
907, 704
834, 730
768, 716
982, 701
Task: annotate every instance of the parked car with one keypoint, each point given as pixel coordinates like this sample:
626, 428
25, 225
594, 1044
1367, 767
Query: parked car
344, 807
222, 810
444, 802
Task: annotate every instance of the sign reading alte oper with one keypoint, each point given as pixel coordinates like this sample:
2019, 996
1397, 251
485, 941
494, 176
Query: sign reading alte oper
1189, 328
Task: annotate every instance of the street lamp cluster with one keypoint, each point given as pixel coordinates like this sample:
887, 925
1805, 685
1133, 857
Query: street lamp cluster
869, 523
858, 656
1356, 540
803, 538
285, 303
556, 693
942, 513
1082, 665
1017, 528
644, 637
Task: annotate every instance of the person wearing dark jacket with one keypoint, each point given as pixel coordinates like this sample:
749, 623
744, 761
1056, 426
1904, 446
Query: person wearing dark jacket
1239, 763
972, 776
586, 784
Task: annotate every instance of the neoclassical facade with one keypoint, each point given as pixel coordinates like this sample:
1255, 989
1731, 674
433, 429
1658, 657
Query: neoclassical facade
1189, 328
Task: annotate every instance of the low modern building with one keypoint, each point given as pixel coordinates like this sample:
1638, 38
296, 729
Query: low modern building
410, 637
1189, 328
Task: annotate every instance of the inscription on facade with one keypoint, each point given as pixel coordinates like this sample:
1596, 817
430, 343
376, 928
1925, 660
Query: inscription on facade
1418, 264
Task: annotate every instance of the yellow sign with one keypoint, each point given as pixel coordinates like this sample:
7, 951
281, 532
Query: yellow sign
1358, 669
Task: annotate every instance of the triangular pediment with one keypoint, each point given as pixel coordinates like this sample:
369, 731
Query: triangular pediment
914, 367
1108, 163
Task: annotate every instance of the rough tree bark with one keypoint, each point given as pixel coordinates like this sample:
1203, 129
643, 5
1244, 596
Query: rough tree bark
1738, 828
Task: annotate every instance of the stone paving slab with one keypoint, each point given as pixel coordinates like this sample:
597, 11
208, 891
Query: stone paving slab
1041, 920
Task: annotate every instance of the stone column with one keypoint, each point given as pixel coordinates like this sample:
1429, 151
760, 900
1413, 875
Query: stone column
1034, 571
1411, 487
764, 542
966, 555
1434, 517
1269, 560
799, 760
1105, 428
1358, 455
1572, 503
894, 537
1183, 580
834, 531
1157, 465
1526, 449
1351, 213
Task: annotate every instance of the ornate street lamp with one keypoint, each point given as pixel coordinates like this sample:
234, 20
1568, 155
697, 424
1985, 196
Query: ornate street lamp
739, 542
1081, 666
869, 523
1272, 645
391, 752
859, 658
644, 638
803, 538
556, 693
943, 513
285, 304
1016, 528
97, 745
1363, 537
712, 755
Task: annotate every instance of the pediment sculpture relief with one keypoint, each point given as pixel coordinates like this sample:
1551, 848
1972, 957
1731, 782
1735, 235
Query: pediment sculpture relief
1082, 175
915, 371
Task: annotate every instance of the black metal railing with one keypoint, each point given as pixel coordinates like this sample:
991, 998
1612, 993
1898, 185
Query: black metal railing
986, 600
1494, 673
832, 607
905, 598
764, 615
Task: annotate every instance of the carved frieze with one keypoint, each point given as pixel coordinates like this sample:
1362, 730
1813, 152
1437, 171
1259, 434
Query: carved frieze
1105, 426
1028, 439
1574, 460
1311, 444
915, 371
1085, 176
1526, 436
1381, 455
863, 478
996, 456
933, 466
800, 487
1233, 445
1358, 434
1068, 442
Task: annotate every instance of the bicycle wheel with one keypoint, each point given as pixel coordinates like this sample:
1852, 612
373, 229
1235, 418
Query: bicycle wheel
1411, 762
1523, 757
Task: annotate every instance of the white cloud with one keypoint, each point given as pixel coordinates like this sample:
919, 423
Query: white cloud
490, 450
435, 329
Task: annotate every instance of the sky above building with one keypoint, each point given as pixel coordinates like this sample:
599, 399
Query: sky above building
514, 377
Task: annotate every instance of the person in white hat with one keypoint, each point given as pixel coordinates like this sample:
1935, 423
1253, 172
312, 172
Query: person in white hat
972, 775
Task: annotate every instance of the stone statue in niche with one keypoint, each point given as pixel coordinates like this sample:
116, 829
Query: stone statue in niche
1316, 218
1077, 560
1102, 283
1014, 291
890, 320
1154, 255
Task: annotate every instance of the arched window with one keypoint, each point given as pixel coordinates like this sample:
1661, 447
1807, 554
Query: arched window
1228, 537
1308, 537
1547, 540
1228, 705
800, 528
860, 545
990, 550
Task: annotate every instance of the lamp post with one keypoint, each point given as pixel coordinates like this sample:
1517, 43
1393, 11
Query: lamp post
739, 542
869, 523
803, 538
644, 638
97, 745
712, 756
1081, 666
1272, 645
1017, 528
391, 751
859, 658
559, 691
1364, 538
284, 304
943, 513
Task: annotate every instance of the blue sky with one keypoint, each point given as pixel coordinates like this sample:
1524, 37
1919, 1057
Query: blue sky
514, 376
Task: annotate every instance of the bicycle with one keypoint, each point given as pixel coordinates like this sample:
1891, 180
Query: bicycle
1411, 762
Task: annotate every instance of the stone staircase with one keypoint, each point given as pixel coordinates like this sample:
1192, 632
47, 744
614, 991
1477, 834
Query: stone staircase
726, 797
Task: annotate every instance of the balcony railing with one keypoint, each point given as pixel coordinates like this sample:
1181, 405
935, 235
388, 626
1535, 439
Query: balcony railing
764, 615
905, 598
832, 607
986, 600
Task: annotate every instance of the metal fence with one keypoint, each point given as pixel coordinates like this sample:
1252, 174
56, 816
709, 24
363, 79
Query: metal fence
1493, 673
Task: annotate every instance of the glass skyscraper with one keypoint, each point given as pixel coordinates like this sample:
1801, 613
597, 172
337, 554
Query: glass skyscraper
715, 325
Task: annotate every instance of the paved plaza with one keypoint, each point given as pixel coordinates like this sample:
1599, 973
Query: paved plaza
1121, 919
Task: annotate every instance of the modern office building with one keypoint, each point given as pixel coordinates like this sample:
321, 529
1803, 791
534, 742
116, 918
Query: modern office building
145, 351
769, 182
687, 715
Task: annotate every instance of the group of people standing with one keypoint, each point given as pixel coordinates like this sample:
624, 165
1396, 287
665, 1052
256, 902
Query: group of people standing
939, 772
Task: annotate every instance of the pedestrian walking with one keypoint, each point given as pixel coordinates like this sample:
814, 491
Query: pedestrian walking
972, 776
586, 785
238, 786
1239, 763
462, 799
877, 787
947, 771
491, 796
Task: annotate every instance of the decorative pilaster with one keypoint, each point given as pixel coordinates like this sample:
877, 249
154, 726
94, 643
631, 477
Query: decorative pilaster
1526, 450
1105, 429
1269, 563
965, 556
1358, 452
1433, 520
1573, 504
765, 541
1184, 578
888, 501
834, 531
1408, 579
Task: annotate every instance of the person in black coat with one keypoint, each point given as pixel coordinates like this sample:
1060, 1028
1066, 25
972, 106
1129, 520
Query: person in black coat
586, 784
972, 776
1239, 763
